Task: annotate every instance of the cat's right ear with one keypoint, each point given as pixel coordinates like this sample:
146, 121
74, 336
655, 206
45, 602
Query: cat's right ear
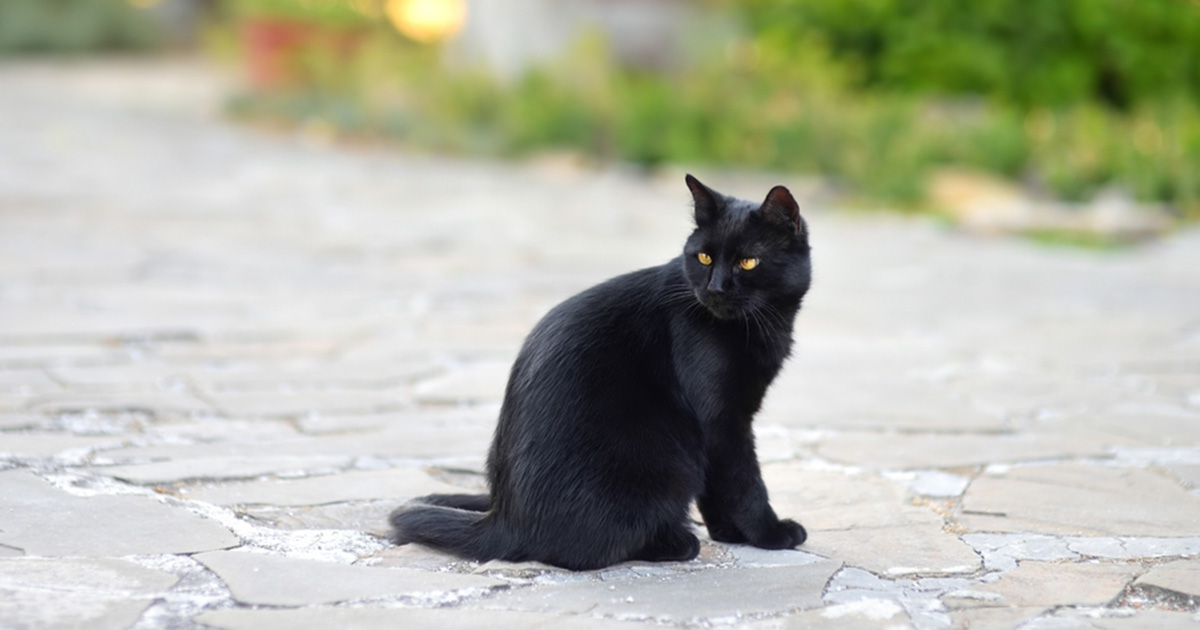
705, 201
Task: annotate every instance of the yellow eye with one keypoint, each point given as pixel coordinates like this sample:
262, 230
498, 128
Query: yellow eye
748, 263
704, 259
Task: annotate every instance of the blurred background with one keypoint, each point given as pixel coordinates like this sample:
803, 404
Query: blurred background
1076, 120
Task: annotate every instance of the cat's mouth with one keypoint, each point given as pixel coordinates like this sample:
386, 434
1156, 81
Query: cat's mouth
719, 307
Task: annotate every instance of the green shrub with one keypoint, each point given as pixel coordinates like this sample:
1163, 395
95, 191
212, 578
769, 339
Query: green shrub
823, 86
1118, 52
72, 26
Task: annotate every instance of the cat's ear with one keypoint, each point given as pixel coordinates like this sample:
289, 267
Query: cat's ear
706, 201
780, 209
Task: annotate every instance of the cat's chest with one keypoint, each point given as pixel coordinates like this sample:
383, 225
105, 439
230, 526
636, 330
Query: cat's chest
723, 372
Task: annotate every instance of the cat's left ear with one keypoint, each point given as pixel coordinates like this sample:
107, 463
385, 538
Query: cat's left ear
705, 199
781, 209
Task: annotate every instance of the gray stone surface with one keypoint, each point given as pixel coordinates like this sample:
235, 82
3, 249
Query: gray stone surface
1181, 576
260, 578
1049, 584
76, 593
838, 509
222, 468
878, 614
320, 618
356, 485
49, 444
211, 336
44, 521
1080, 499
951, 451
727, 594
1116, 620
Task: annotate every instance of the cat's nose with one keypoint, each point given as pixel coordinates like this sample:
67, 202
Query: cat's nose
717, 283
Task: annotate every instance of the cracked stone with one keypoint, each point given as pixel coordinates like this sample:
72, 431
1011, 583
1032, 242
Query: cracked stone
105, 525
20, 420
748, 556
323, 618
931, 483
290, 404
1002, 551
160, 404
993, 618
356, 485
1181, 576
837, 393
1078, 499
679, 598
952, 451
221, 468
104, 593
866, 522
370, 516
258, 578
484, 381
1048, 584
1070, 619
417, 438
1160, 547
23, 609
48, 444
867, 614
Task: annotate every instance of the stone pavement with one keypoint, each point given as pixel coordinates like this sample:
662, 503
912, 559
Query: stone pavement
226, 354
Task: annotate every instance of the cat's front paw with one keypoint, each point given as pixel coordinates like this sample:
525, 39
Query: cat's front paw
797, 531
783, 534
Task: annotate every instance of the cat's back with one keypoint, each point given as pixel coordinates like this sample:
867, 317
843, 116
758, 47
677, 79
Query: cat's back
625, 314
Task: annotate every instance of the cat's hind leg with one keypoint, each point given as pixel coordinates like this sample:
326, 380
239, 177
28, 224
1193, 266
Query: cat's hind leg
471, 502
671, 542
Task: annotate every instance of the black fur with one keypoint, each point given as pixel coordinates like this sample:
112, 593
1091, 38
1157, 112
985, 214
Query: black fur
634, 398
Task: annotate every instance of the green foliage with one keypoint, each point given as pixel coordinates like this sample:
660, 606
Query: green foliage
875, 94
1119, 52
72, 26
329, 12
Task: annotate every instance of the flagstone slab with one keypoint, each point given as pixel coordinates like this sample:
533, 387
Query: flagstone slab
875, 614
1080, 500
48, 444
222, 468
886, 451
19, 420
284, 404
866, 521
1070, 619
325, 618
1181, 576
993, 618
1047, 584
23, 609
42, 520
102, 576
842, 397
158, 403
76, 593
478, 382
368, 516
357, 485
419, 438
687, 597
259, 578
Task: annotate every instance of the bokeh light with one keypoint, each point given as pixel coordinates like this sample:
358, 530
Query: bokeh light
427, 20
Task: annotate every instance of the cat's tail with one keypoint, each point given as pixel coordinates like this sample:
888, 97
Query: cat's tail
466, 533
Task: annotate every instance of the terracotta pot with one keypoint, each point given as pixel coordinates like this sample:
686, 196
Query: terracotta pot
275, 48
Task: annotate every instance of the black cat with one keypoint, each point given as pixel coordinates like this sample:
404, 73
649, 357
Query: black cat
635, 397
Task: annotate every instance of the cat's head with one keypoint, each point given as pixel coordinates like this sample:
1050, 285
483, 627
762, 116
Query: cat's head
744, 257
